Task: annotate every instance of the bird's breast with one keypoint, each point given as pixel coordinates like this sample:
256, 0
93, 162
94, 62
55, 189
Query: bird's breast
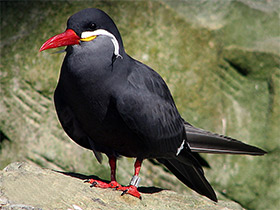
88, 89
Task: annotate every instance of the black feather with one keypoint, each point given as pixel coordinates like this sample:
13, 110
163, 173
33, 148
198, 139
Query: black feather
120, 106
190, 173
206, 142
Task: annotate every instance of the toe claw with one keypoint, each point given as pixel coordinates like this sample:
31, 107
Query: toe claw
131, 190
124, 192
93, 184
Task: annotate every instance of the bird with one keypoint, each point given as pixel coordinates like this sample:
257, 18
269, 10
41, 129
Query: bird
112, 104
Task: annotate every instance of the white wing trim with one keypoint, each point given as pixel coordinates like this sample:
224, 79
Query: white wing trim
180, 148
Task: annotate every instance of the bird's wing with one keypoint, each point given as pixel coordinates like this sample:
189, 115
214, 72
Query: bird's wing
71, 125
203, 141
146, 106
148, 109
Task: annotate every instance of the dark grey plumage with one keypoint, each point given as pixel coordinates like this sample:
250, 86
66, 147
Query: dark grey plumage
110, 103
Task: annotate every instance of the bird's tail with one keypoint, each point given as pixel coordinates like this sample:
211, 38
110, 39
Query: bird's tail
187, 165
188, 170
206, 142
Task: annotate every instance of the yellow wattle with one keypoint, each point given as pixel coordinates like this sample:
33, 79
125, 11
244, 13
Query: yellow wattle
88, 38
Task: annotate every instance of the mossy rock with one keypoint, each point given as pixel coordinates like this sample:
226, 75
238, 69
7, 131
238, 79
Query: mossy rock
220, 60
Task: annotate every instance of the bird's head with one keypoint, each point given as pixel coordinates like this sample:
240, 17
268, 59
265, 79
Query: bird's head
85, 26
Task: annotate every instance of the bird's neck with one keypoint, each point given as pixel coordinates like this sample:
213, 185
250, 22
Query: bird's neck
86, 64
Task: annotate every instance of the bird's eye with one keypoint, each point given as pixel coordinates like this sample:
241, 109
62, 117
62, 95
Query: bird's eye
92, 26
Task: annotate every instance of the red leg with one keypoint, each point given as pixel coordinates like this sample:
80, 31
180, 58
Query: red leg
113, 183
132, 188
137, 166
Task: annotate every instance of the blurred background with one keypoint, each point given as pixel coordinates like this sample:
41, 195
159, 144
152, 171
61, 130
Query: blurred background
219, 58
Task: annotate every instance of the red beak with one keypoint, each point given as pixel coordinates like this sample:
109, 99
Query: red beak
69, 37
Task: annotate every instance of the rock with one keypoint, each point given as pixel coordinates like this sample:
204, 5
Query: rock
27, 186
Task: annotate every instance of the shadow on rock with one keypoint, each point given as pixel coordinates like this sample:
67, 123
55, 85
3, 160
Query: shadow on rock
147, 190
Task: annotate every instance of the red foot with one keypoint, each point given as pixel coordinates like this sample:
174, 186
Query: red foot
98, 183
131, 190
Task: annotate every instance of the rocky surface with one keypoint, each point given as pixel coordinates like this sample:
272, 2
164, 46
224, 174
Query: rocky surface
29, 187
